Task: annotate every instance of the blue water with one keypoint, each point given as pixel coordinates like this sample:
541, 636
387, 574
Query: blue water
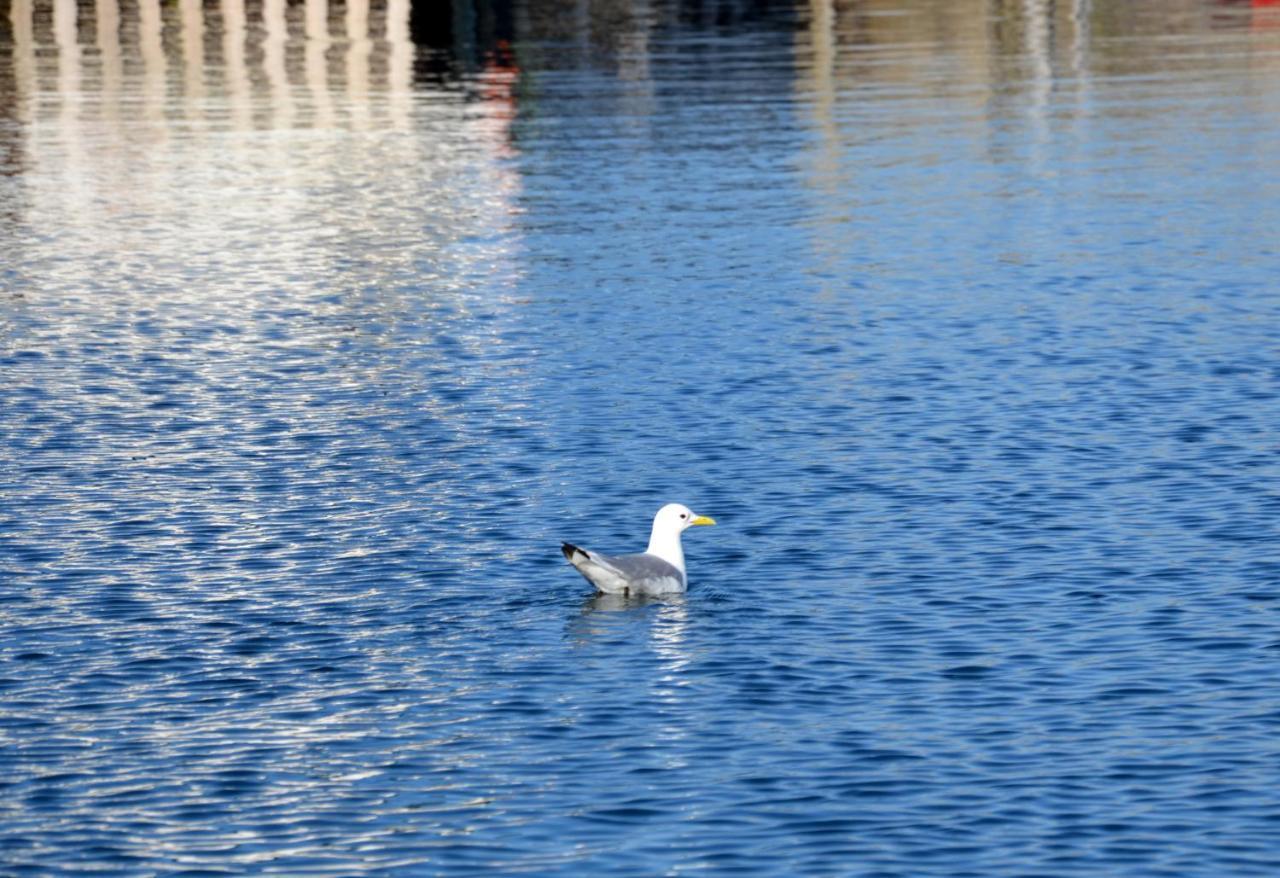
962, 320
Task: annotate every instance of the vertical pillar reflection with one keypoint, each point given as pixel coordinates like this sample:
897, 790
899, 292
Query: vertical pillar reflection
67, 133
108, 37
1080, 10
1081, 50
825, 169
315, 61
359, 50
1038, 49
191, 20
21, 13
235, 68
635, 53
399, 64
822, 23
59, 133
276, 34
317, 20
65, 37
151, 47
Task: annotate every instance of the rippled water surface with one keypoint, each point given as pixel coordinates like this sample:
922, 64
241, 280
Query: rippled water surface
322, 325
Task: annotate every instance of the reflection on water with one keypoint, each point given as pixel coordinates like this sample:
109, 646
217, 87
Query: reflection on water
160, 141
663, 619
322, 323
612, 603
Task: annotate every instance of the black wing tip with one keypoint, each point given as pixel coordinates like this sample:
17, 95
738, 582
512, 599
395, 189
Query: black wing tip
569, 549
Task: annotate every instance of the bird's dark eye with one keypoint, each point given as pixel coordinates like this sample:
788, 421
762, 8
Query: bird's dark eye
682, 515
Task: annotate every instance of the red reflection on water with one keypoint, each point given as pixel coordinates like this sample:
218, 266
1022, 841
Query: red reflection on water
1253, 14
498, 90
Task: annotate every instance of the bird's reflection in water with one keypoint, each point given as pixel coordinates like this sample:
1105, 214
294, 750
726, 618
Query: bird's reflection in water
614, 617
615, 603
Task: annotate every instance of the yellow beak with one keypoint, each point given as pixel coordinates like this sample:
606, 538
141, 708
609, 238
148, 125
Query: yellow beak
702, 519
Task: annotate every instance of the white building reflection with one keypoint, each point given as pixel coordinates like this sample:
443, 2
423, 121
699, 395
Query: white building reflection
985, 61
161, 130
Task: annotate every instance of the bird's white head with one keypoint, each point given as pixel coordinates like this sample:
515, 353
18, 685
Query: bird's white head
675, 517
668, 524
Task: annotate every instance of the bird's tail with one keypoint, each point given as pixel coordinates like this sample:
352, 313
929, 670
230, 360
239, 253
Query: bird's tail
570, 550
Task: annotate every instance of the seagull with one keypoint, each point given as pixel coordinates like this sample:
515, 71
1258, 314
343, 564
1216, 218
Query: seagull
658, 570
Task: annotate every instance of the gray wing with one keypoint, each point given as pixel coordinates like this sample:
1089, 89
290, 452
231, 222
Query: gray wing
643, 567
618, 574
647, 574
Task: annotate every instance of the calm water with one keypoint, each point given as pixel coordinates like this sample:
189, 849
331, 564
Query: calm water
962, 318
